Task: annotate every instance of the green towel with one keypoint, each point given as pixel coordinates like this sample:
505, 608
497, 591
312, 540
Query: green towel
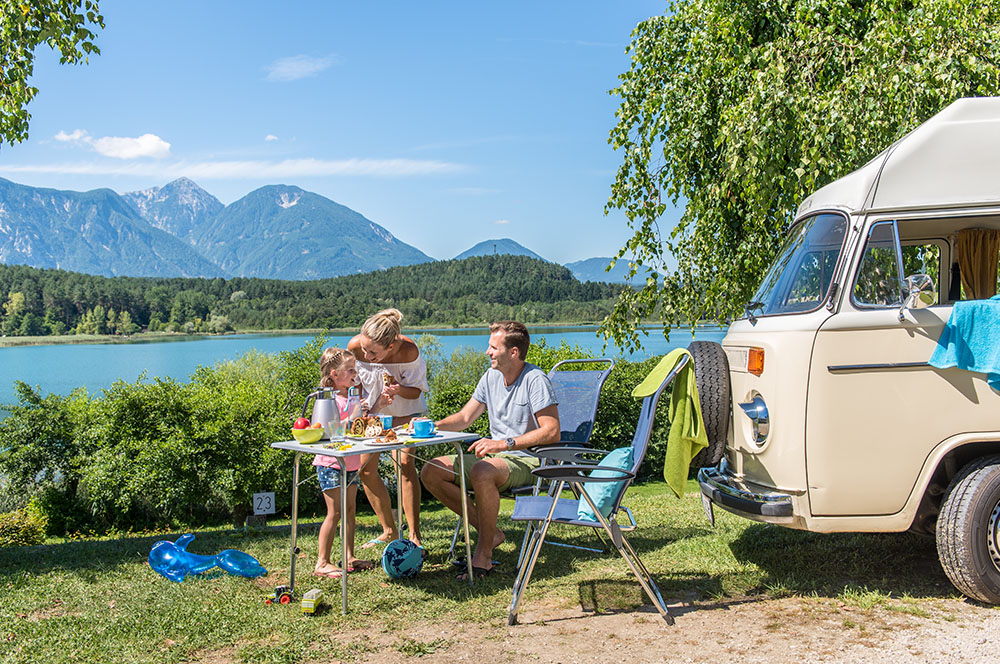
687, 428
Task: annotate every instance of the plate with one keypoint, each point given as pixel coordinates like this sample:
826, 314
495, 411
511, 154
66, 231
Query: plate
416, 437
398, 441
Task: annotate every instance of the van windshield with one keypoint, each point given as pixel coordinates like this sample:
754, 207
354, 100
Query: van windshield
799, 278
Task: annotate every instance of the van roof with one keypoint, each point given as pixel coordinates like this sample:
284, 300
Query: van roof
952, 159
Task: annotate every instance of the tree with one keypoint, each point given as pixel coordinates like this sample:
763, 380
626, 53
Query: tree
738, 109
65, 25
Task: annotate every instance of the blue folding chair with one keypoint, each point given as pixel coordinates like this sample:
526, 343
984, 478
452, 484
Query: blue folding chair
578, 393
575, 471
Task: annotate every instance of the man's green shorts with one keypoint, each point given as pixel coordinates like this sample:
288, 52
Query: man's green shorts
520, 468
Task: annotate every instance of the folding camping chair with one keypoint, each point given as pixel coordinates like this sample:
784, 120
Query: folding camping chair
577, 393
544, 510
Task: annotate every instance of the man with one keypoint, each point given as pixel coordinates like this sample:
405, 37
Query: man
522, 409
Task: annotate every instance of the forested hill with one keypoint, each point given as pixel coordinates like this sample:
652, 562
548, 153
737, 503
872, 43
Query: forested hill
472, 291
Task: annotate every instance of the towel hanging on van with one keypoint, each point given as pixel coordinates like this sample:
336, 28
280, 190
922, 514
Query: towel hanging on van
969, 339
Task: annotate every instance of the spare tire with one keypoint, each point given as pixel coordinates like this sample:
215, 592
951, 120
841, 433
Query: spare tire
711, 371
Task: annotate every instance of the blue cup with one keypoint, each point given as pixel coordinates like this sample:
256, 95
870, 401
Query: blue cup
423, 427
386, 421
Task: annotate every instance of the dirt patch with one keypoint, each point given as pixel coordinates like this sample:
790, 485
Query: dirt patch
748, 631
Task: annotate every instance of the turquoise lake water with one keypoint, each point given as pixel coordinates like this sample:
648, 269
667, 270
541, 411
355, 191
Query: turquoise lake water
62, 368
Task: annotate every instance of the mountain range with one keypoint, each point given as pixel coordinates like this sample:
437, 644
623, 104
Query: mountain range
181, 230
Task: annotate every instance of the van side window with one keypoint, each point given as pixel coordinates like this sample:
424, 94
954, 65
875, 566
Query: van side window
878, 281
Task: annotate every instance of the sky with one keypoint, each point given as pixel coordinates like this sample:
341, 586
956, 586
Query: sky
448, 123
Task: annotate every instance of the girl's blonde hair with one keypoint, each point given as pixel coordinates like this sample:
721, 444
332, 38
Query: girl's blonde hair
331, 360
383, 327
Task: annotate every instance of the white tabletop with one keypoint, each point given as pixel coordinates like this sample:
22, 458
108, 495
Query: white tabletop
354, 446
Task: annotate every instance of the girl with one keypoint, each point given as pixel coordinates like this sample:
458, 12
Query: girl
390, 365
339, 371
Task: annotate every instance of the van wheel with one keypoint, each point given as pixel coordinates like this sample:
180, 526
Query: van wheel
711, 372
968, 530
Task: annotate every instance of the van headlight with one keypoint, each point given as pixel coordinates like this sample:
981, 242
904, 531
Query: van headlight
760, 421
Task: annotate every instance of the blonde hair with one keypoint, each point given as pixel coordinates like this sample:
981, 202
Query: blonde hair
383, 327
331, 360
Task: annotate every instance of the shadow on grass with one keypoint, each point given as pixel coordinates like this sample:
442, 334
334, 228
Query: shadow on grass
830, 563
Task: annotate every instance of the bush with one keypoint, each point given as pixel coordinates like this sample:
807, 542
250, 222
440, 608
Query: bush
23, 527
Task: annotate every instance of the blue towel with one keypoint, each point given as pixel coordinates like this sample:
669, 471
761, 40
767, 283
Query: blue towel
971, 339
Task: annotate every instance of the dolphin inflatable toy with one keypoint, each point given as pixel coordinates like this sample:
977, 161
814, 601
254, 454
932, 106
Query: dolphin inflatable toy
172, 560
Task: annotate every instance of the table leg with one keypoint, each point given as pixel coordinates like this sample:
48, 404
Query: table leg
295, 520
399, 492
343, 535
465, 510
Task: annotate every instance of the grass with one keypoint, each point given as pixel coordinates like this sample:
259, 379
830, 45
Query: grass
97, 600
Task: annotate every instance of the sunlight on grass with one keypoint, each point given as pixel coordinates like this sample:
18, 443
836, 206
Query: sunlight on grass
98, 600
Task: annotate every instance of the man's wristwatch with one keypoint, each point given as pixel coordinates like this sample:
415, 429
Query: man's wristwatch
511, 443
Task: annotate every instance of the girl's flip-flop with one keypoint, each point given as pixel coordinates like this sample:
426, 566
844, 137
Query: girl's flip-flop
373, 542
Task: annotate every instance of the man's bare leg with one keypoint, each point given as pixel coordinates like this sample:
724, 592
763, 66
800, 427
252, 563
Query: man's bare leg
439, 478
487, 477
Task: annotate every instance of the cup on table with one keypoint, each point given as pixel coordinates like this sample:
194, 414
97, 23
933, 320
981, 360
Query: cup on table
386, 421
423, 427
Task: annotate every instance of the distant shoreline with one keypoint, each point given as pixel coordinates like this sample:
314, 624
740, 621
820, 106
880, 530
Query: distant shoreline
52, 340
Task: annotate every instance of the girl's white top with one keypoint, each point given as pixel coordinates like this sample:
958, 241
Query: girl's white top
407, 374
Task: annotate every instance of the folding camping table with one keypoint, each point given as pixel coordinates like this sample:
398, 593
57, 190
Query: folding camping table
353, 447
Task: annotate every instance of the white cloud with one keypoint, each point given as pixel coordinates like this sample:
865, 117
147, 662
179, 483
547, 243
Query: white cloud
249, 169
119, 147
298, 66
77, 135
147, 145
270, 137
502, 221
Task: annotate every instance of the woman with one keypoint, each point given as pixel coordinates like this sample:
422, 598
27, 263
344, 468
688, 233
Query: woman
390, 362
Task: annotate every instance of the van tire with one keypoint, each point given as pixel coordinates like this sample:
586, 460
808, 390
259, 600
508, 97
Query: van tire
711, 372
968, 530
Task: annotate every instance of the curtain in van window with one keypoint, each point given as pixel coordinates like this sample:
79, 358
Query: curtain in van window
978, 254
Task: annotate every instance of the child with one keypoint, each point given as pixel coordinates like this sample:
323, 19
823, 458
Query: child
338, 371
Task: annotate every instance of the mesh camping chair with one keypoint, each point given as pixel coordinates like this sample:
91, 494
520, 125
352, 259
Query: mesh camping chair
599, 485
577, 393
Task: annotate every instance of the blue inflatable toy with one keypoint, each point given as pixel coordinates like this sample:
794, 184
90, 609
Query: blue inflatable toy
402, 559
172, 560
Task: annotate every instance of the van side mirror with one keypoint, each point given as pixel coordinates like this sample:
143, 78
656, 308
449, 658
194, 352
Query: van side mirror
920, 293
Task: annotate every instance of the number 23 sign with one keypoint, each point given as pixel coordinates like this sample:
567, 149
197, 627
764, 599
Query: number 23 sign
263, 503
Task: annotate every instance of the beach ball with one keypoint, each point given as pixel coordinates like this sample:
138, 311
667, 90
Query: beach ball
402, 559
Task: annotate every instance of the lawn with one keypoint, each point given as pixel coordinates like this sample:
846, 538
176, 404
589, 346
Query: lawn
99, 601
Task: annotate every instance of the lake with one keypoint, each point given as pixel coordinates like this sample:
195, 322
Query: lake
62, 368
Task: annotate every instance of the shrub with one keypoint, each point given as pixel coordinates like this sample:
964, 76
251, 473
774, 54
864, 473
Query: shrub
23, 527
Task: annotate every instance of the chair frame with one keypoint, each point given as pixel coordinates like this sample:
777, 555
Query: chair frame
574, 471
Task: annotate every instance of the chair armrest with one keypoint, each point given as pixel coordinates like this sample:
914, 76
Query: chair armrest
566, 453
579, 473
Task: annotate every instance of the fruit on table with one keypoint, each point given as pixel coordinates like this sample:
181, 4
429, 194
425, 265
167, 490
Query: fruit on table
301, 423
316, 426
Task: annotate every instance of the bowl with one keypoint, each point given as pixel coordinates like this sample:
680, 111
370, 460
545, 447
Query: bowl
307, 436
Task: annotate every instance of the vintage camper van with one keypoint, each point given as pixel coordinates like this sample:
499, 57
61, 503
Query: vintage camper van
823, 411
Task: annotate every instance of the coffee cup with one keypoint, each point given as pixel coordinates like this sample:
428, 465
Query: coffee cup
386, 421
423, 427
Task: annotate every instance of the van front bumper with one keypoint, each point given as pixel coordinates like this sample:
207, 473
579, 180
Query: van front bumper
743, 498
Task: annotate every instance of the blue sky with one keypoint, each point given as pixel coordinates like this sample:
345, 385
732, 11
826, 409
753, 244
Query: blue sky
448, 123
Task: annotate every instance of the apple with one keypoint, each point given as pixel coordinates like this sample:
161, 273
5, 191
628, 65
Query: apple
301, 423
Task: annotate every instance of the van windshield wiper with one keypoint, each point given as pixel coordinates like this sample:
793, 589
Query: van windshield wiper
749, 308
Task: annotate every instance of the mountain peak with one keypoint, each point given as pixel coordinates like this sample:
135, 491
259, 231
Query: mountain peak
176, 207
498, 247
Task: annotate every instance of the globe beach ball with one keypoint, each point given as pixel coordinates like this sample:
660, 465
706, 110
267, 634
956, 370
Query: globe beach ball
402, 559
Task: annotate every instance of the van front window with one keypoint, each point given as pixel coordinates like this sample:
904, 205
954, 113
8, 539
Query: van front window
800, 277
